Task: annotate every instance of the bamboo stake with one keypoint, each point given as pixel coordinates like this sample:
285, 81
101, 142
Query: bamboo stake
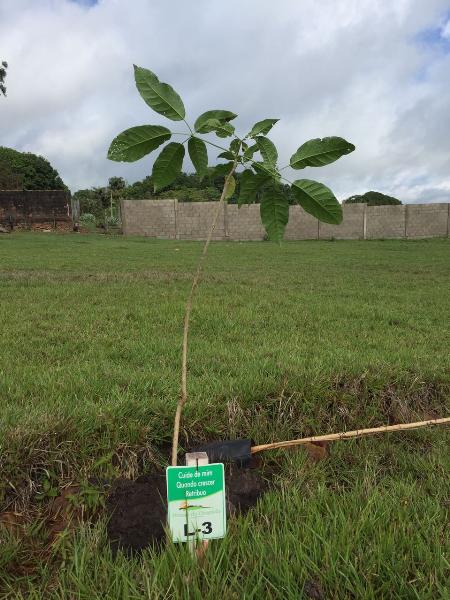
349, 434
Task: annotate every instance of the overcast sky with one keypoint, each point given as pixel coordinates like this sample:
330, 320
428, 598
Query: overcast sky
376, 72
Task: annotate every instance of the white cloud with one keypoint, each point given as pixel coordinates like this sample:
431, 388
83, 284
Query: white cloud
355, 68
445, 32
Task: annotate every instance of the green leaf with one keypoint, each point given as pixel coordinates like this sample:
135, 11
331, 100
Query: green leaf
267, 149
201, 125
222, 170
262, 127
250, 151
274, 212
220, 129
318, 200
260, 167
224, 130
159, 96
168, 165
320, 152
199, 155
235, 146
227, 154
210, 125
249, 185
231, 186
266, 169
134, 143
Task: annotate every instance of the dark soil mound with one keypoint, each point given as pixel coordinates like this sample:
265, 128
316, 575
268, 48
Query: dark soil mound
137, 510
244, 488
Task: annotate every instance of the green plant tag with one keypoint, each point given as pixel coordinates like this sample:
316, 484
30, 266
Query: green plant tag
196, 502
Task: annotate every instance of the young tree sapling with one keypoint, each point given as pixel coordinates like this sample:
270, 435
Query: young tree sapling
261, 177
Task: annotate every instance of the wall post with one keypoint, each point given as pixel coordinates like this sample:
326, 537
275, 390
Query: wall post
225, 220
406, 221
448, 219
365, 222
175, 218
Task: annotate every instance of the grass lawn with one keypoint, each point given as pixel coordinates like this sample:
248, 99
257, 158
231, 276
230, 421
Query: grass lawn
299, 339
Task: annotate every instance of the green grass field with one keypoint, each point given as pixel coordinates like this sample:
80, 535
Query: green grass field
299, 339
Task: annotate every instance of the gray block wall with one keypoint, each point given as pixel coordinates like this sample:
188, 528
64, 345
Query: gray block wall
171, 219
301, 225
152, 218
385, 222
244, 223
427, 220
193, 220
351, 228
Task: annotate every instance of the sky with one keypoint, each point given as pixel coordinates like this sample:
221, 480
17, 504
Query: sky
375, 72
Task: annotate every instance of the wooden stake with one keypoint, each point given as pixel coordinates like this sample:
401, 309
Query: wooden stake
197, 459
349, 434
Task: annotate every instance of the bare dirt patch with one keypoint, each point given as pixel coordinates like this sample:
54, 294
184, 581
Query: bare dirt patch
137, 509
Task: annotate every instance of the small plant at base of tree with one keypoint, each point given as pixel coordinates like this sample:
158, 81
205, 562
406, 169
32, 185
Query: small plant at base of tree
255, 154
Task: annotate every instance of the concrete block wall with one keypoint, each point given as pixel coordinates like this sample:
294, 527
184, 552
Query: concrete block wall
152, 218
385, 222
351, 228
194, 220
427, 220
34, 206
244, 223
301, 225
191, 221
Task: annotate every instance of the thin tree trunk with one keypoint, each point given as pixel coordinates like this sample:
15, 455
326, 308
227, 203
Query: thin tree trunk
187, 315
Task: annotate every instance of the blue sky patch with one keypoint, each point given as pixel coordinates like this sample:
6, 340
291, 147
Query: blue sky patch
433, 36
433, 42
85, 2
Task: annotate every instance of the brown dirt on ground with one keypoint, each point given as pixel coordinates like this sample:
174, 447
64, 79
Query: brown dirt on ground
137, 509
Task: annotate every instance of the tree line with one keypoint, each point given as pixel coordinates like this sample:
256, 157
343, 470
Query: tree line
187, 187
24, 170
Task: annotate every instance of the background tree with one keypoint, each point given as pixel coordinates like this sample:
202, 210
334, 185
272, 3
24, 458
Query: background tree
9, 180
3, 67
372, 199
117, 184
36, 171
88, 204
96, 200
115, 187
93, 201
186, 187
189, 187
